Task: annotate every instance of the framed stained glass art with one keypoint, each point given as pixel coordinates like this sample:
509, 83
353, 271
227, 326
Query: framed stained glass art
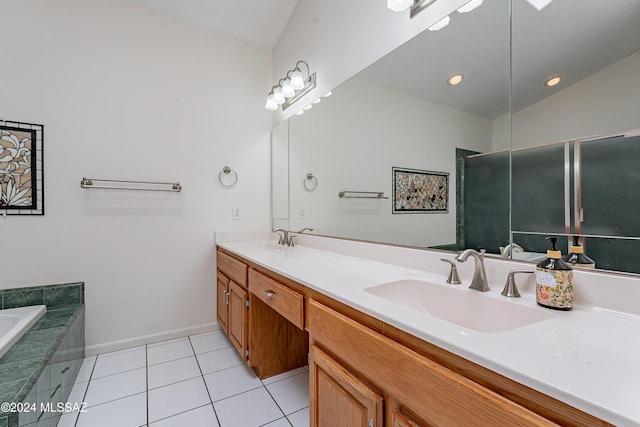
420, 191
21, 169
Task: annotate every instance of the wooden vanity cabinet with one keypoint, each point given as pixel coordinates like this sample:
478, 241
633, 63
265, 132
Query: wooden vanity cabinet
363, 370
278, 341
437, 395
263, 317
232, 301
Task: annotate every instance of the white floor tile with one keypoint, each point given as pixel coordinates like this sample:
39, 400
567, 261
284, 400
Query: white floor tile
127, 412
210, 341
116, 386
228, 382
175, 398
291, 394
84, 374
219, 359
172, 372
282, 422
120, 361
300, 418
169, 350
253, 408
199, 417
68, 419
291, 373
77, 392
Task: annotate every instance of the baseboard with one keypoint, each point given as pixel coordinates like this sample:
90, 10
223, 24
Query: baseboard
95, 349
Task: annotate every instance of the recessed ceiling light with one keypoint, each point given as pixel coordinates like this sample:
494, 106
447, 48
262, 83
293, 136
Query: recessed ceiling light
553, 81
456, 79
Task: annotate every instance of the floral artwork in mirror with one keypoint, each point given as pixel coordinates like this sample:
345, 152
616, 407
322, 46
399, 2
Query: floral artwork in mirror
420, 191
21, 174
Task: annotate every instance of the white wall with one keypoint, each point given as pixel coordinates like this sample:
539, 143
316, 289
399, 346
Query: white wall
338, 39
127, 93
351, 141
604, 102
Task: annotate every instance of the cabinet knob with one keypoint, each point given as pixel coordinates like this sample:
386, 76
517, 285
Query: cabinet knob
269, 294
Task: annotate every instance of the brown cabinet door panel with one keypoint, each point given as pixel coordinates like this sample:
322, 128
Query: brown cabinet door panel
338, 398
238, 318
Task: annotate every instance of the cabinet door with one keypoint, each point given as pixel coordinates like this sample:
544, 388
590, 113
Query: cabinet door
401, 420
222, 306
238, 317
338, 398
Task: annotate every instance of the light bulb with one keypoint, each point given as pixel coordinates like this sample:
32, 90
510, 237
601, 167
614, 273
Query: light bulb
271, 104
287, 90
470, 6
308, 107
456, 79
299, 113
317, 101
399, 5
440, 24
553, 81
327, 94
297, 82
278, 97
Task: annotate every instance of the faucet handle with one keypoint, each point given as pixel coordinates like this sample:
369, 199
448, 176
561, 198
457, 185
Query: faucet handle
510, 288
453, 278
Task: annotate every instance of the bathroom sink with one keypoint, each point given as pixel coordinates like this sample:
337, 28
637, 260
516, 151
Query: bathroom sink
460, 305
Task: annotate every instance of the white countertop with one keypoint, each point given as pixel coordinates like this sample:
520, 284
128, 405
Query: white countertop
588, 357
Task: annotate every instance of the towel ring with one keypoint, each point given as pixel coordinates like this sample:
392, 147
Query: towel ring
312, 180
227, 170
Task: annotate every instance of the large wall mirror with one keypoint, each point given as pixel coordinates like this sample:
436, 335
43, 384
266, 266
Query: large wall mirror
399, 126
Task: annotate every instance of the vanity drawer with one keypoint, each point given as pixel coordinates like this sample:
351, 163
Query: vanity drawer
232, 268
289, 303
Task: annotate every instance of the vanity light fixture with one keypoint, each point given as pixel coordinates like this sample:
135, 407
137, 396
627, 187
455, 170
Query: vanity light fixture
399, 5
455, 80
291, 88
419, 5
470, 6
553, 81
440, 24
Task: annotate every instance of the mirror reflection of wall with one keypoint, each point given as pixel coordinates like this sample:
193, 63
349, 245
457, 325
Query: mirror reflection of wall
564, 188
280, 176
401, 112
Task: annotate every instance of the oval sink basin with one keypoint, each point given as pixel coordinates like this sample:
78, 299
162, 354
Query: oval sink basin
461, 306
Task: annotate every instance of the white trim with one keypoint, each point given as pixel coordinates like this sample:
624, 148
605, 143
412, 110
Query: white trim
95, 349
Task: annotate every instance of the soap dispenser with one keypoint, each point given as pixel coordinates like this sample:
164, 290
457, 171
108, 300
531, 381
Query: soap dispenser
554, 280
577, 257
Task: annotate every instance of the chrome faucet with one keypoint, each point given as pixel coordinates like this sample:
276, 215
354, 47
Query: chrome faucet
291, 242
479, 281
283, 239
510, 249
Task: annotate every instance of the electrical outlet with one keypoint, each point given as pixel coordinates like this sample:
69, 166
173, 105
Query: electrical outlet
301, 212
235, 212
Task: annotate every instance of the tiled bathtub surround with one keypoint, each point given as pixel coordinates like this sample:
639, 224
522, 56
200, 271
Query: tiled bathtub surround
41, 367
53, 296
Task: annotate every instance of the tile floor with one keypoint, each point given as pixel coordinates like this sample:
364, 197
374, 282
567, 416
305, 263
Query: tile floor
195, 381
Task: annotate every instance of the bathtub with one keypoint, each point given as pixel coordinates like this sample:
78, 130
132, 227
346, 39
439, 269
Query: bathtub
15, 322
